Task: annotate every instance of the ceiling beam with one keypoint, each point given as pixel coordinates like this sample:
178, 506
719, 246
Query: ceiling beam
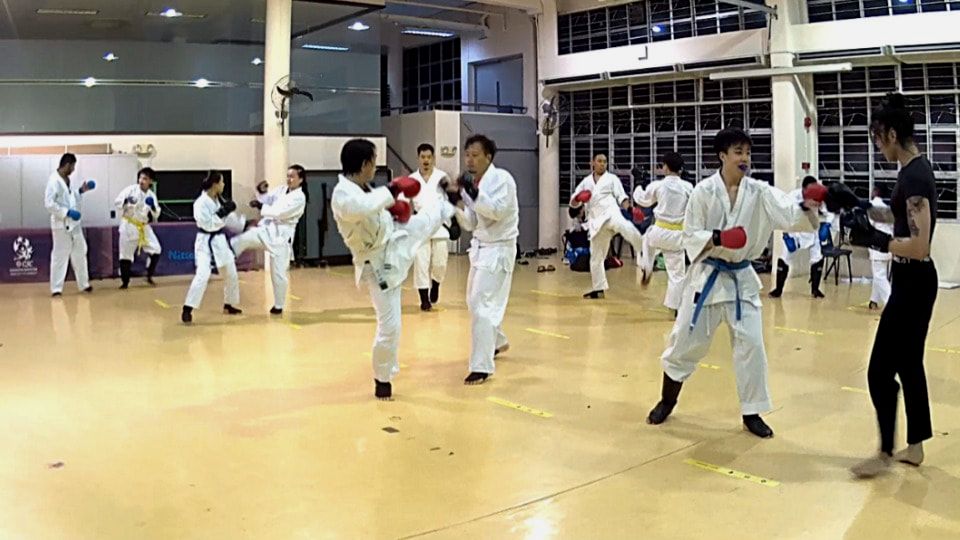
433, 23
530, 6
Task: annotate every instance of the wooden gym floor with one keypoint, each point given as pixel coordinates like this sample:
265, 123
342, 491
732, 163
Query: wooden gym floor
119, 422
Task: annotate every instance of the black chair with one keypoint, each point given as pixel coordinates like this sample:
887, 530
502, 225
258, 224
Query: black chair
833, 253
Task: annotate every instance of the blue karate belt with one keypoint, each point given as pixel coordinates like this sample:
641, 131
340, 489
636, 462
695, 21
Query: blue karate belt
719, 265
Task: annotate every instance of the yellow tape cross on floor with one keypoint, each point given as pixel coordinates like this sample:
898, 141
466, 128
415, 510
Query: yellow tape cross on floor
732, 473
518, 407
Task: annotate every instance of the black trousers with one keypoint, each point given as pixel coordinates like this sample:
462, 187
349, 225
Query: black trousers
898, 351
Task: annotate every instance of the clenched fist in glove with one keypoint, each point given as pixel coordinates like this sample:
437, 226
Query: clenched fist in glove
256, 204
583, 197
406, 185
734, 238
840, 197
226, 208
467, 183
863, 233
401, 211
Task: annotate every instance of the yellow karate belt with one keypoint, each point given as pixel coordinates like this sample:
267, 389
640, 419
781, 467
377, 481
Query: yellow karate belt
141, 233
670, 226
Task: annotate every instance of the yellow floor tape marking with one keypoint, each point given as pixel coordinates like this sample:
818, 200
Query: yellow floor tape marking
798, 331
545, 333
548, 293
295, 326
367, 355
732, 473
518, 407
295, 297
940, 349
709, 366
852, 389
404, 366
162, 304
863, 306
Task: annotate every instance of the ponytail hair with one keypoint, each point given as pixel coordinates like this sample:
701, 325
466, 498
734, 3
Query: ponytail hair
213, 177
892, 115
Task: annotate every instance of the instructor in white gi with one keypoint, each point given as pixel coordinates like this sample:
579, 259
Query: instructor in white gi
430, 265
69, 244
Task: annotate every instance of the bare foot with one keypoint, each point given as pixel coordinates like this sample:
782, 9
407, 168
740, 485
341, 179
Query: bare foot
871, 467
911, 455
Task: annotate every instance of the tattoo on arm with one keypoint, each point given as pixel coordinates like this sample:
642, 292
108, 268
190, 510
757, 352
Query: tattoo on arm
915, 206
880, 214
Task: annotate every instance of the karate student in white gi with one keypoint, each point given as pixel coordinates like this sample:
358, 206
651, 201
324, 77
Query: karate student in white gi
879, 260
280, 211
383, 239
486, 198
214, 216
69, 245
430, 265
670, 196
138, 206
728, 222
795, 242
604, 197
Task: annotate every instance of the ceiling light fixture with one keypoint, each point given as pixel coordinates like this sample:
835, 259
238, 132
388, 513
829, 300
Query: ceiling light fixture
336, 48
358, 26
110, 57
257, 61
657, 29
427, 32
201, 83
46, 11
89, 82
170, 12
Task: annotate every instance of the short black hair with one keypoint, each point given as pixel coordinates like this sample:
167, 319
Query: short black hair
213, 177
893, 115
150, 173
673, 161
424, 147
301, 172
489, 147
807, 180
730, 137
355, 153
67, 159
882, 191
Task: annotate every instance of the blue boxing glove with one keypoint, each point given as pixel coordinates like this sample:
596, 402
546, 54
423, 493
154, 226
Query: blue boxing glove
73, 214
91, 185
150, 202
790, 243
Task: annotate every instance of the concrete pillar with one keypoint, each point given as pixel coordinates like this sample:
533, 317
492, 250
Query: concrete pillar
549, 213
276, 65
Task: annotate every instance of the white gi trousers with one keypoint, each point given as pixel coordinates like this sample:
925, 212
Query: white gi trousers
688, 347
400, 251
208, 248
430, 263
488, 290
130, 239
280, 252
68, 247
670, 243
880, 291
600, 245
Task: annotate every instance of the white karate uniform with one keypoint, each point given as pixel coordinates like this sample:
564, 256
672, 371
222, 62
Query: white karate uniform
211, 246
879, 262
135, 231
666, 234
383, 252
494, 218
281, 211
759, 209
431, 261
69, 244
604, 221
803, 240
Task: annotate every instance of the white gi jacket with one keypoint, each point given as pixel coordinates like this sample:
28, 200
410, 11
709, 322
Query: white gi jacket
430, 192
281, 211
138, 210
494, 219
759, 209
58, 198
669, 194
607, 196
883, 227
211, 229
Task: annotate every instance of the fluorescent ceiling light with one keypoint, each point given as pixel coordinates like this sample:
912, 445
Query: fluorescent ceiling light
427, 32
257, 61
358, 26
89, 81
170, 12
201, 83
45, 11
336, 48
657, 29
773, 72
110, 57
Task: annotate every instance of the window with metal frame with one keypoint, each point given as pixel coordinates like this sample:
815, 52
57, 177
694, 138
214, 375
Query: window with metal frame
838, 10
432, 77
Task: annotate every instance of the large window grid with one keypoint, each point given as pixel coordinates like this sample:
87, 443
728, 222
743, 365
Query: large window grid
836, 10
635, 125
431, 76
648, 21
845, 103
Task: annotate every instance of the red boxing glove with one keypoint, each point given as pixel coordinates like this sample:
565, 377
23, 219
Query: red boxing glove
406, 185
401, 211
815, 192
638, 215
734, 238
583, 197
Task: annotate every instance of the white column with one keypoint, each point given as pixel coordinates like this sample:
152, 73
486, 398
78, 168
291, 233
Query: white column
549, 213
276, 65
